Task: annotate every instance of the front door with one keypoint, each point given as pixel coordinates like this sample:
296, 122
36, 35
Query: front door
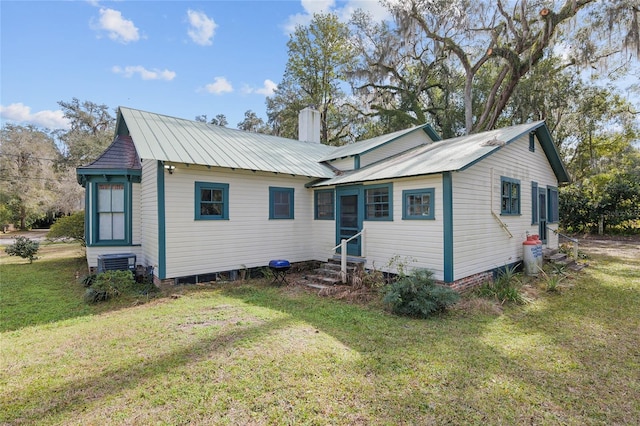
542, 214
349, 221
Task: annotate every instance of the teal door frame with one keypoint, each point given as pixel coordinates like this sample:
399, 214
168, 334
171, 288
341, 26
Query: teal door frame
350, 217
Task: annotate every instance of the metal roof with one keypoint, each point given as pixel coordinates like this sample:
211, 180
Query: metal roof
369, 144
451, 155
176, 140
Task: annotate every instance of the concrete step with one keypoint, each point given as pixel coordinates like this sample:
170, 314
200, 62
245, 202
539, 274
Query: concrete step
324, 280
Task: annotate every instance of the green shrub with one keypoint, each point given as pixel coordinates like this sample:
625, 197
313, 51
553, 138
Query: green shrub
110, 284
24, 247
506, 287
418, 295
69, 227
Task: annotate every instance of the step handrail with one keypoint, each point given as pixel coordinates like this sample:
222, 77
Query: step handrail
343, 253
573, 240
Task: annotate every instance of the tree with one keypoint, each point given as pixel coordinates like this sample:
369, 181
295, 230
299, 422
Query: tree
319, 54
253, 123
69, 227
472, 36
91, 131
27, 155
219, 120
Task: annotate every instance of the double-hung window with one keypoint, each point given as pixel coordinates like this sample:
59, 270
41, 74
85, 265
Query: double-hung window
280, 203
111, 212
378, 202
418, 204
211, 201
510, 196
324, 205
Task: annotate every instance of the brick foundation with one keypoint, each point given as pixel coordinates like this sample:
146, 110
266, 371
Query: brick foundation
470, 282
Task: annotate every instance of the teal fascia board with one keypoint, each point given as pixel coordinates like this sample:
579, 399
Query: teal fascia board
550, 150
447, 220
85, 174
162, 237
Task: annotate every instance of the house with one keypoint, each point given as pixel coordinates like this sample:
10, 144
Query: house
193, 200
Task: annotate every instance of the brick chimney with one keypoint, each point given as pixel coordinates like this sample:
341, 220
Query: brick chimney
309, 125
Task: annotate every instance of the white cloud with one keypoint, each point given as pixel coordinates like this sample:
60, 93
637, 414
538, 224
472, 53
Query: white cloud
202, 28
145, 74
219, 86
377, 11
21, 113
267, 89
118, 28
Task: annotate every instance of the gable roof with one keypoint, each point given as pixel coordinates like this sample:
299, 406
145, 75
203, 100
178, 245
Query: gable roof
362, 147
452, 155
176, 140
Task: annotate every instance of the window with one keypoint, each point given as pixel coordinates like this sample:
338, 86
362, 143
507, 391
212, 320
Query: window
212, 201
324, 205
378, 202
418, 204
111, 212
552, 204
280, 203
532, 142
510, 196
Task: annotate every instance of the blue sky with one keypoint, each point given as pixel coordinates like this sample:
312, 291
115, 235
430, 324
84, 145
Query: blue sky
179, 58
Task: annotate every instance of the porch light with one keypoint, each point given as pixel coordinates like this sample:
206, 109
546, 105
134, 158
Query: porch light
170, 168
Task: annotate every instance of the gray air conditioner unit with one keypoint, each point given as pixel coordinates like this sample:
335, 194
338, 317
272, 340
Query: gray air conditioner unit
117, 262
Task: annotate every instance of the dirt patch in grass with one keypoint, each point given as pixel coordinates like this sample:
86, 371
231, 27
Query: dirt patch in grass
614, 246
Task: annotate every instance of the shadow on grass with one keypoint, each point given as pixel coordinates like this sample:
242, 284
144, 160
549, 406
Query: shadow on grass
75, 394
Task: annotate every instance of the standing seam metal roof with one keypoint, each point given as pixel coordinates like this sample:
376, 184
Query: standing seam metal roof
177, 140
449, 155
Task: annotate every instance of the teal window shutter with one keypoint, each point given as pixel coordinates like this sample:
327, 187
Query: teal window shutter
534, 203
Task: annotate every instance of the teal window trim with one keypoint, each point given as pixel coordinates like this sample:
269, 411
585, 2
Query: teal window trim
552, 204
534, 203
415, 198
324, 204
206, 199
532, 142
356, 162
94, 235
509, 196
378, 206
281, 203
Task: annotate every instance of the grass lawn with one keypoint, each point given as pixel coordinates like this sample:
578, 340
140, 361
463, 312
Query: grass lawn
250, 353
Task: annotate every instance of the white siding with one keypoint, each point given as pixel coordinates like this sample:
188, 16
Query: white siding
416, 243
397, 146
480, 243
248, 238
149, 213
344, 164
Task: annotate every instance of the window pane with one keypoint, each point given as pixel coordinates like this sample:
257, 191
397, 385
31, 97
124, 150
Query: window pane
104, 198
211, 209
118, 226
281, 210
205, 195
216, 195
117, 198
105, 227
